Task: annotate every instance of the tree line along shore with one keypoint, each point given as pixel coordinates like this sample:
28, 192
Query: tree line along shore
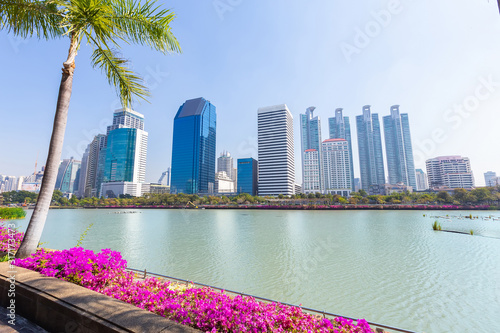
480, 198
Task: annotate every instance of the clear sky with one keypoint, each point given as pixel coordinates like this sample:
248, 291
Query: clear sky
439, 60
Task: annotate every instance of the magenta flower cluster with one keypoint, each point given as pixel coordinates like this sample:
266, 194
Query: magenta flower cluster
10, 239
201, 308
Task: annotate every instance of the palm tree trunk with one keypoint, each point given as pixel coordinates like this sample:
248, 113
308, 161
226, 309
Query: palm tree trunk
37, 221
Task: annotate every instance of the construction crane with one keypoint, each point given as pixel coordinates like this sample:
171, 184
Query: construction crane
163, 175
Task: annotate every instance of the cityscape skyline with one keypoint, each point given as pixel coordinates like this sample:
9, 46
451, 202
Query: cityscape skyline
456, 51
395, 126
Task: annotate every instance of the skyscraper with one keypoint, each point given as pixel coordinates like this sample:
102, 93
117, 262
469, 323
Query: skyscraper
340, 128
371, 160
82, 183
126, 118
225, 163
247, 176
126, 155
90, 183
68, 176
121, 164
312, 182
449, 172
422, 183
193, 148
275, 149
310, 134
398, 148
336, 167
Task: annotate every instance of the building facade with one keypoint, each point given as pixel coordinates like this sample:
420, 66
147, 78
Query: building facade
449, 172
121, 156
126, 118
89, 184
248, 176
398, 148
310, 135
225, 163
422, 183
490, 178
371, 159
340, 128
276, 151
193, 148
223, 183
126, 154
68, 176
336, 166
312, 181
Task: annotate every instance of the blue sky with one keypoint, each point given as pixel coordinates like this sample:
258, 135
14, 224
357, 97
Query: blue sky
439, 60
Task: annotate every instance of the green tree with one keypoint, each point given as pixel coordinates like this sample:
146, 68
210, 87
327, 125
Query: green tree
460, 195
102, 24
444, 196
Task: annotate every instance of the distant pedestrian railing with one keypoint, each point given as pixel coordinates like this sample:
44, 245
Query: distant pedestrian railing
379, 327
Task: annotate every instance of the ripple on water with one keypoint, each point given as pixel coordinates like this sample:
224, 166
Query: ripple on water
385, 266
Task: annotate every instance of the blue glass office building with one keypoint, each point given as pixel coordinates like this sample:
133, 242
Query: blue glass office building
247, 176
120, 155
193, 148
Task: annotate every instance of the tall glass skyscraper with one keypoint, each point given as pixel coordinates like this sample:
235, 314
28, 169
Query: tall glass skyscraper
310, 134
247, 176
126, 156
371, 159
193, 148
340, 128
68, 176
398, 148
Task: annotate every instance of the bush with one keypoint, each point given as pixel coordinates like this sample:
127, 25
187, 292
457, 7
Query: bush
9, 213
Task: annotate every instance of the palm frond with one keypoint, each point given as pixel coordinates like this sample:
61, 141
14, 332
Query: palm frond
26, 18
145, 24
126, 82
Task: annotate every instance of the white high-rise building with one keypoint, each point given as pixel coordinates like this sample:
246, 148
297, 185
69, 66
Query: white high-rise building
336, 167
422, 183
276, 151
449, 172
225, 163
312, 181
126, 118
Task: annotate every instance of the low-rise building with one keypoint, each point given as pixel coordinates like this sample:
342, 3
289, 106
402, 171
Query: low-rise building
388, 189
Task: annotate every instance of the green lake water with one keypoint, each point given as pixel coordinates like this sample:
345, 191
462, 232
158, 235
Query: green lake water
388, 267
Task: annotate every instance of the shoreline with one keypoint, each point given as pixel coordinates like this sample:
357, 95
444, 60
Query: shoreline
294, 207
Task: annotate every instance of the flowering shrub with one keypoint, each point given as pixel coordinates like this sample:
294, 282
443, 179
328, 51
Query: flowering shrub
202, 308
11, 236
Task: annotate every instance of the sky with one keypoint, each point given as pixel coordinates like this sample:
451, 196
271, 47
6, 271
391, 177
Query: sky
438, 60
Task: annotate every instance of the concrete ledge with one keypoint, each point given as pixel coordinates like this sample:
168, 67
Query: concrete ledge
60, 306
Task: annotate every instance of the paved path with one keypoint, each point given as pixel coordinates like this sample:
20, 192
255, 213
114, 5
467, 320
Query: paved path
22, 325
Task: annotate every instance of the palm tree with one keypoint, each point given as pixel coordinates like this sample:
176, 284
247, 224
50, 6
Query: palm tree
102, 24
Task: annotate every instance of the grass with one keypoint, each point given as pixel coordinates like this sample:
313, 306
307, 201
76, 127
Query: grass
436, 226
9, 213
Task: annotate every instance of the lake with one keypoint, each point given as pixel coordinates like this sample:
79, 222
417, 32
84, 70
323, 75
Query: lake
388, 267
